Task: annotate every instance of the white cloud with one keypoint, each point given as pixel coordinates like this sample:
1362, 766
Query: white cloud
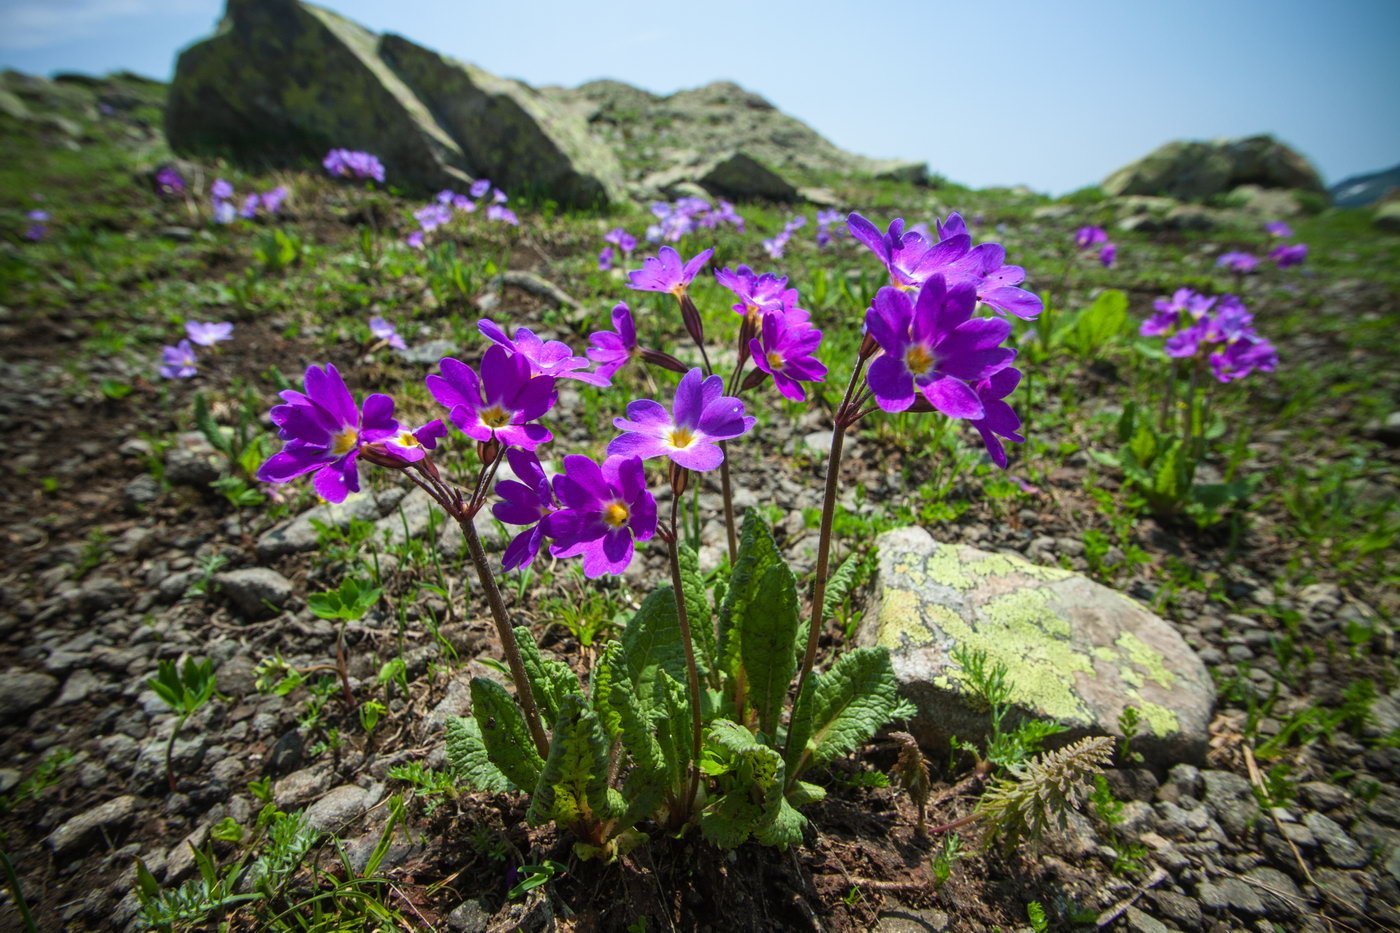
36, 24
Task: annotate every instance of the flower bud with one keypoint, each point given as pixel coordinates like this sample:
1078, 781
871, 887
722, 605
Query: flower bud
488, 451
662, 359
680, 478
690, 316
753, 380
868, 346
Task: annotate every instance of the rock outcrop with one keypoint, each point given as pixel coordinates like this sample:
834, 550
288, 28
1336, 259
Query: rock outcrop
1363, 190
1194, 170
283, 81
1075, 652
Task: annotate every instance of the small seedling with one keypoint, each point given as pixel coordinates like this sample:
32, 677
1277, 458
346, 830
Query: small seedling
184, 690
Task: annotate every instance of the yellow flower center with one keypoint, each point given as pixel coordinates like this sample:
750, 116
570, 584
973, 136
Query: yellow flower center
678, 290
680, 438
918, 359
775, 360
406, 439
343, 441
615, 514
495, 417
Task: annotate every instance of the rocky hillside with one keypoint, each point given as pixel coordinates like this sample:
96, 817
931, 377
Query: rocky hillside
1363, 190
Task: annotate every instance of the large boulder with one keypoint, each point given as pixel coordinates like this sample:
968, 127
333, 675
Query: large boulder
282, 81
1194, 170
1075, 652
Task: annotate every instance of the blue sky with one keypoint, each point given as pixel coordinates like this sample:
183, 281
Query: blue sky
1050, 94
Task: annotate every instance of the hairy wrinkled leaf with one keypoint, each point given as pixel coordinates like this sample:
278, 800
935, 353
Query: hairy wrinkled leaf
767, 644
466, 753
838, 586
750, 779
550, 680
504, 733
651, 642
573, 786
698, 611
841, 709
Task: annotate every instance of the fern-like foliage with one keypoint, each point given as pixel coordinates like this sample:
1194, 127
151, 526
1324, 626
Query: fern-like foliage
1041, 791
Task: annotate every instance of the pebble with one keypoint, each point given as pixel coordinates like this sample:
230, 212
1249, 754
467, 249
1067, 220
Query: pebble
1339, 848
81, 829
23, 691
341, 805
1230, 799
1230, 894
256, 591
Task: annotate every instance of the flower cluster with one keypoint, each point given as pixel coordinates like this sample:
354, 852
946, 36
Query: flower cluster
1240, 263
38, 225
619, 241
781, 338
1086, 238
169, 182
348, 163
685, 216
829, 227
384, 332
1218, 330
913, 258
1285, 255
777, 245
221, 197
447, 203
179, 361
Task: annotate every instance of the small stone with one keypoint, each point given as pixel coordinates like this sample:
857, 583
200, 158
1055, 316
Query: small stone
1339, 848
1342, 888
1184, 911
84, 828
1230, 894
819, 442
80, 684
300, 786
256, 591
300, 533
185, 467
23, 691
1322, 795
341, 805
469, 917
1140, 922
140, 492
1280, 895
1183, 780
1230, 799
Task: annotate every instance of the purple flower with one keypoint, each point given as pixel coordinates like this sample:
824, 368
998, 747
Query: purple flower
603, 511
414, 240
208, 334
666, 273
701, 415
613, 349
934, 346
38, 228
381, 329
463, 203
525, 501
756, 293
1086, 237
479, 188
221, 190
910, 258
272, 200
347, 163
432, 216
503, 214
1278, 228
997, 284
1108, 254
324, 431
178, 362
445, 197
412, 446
224, 212
1184, 343
620, 238
249, 210
1000, 419
785, 350
169, 182
552, 358
500, 404
605, 259
1238, 263
1289, 254
1242, 357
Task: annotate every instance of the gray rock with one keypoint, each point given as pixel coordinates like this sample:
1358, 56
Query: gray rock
140, 492
1280, 895
80, 685
1339, 848
83, 829
99, 593
1387, 217
427, 354
300, 534
1230, 894
1322, 795
187, 467
734, 175
341, 805
1230, 799
1181, 910
1342, 888
300, 786
256, 591
1192, 170
23, 691
1140, 922
469, 917
1183, 780
1076, 652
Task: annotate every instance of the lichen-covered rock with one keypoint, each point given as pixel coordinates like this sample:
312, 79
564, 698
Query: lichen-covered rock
1193, 170
734, 175
1077, 652
284, 81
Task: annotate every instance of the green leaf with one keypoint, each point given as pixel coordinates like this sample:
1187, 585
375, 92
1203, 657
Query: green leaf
651, 642
573, 787
838, 586
758, 554
1097, 325
801, 793
214, 434
550, 680
751, 797
466, 753
697, 608
504, 733
768, 642
783, 828
841, 709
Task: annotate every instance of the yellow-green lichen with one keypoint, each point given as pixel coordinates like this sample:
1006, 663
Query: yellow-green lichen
1159, 719
1144, 656
902, 620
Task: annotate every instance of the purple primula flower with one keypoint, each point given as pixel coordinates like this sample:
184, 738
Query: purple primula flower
38, 225
552, 358
1000, 421
1243, 356
249, 210
1085, 237
224, 212
432, 216
827, 227
1277, 228
210, 333
700, 416
221, 190
498, 196
1289, 254
381, 329
411, 446
785, 350
461, 202
1185, 342
479, 188
603, 511
909, 256
1238, 262
178, 362
932, 345
169, 181
445, 197
620, 238
1108, 254
347, 163
997, 284
525, 501
605, 259
272, 200
414, 240
324, 431
756, 293
614, 349
502, 214
501, 403
666, 273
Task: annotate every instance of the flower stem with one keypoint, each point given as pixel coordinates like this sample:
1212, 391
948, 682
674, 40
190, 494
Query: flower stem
692, 673
727, 493
845, 417
507, 635
170, 754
